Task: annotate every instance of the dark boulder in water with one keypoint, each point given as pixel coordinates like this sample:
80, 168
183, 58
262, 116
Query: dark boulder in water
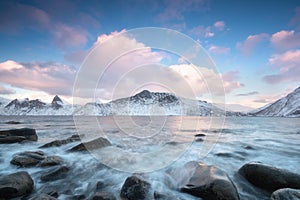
42, 197
205, 181
268, 177
286, 194
12, 122
55, 174
103, 196
15, 185
51, 161
91, 145
58, 143
27, 158
135, 188
18, 135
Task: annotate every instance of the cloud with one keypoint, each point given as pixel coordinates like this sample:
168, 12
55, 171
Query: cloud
5, 91
296, 19
230, 81
14, 17
208, 31
175, 9
66, 36
285, 39
218, 49
220, 25
251, 42
51, 78
288, 64
248, 94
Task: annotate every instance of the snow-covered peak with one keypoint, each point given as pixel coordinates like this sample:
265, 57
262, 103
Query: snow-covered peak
288, 106
56, 103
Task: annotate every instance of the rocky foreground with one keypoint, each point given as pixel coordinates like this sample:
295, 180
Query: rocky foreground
196, 178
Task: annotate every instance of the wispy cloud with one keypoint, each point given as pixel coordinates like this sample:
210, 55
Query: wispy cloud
288, 64
219, 25
251, 42
5, 91
51, 78
175, 9
285, 39
248, 94
208, 31
218, 49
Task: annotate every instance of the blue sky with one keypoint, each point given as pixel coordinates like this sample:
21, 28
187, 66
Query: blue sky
255, 44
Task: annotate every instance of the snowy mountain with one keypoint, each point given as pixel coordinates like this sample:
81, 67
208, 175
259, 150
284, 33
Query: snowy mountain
288, 106
151, 103
36, 107
143, 103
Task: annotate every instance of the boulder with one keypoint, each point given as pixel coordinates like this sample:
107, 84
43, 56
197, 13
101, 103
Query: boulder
15, 185
12, 122
205, 181
7, 136
27, 158
55, 174
268, 177
286, 194
91, 145
42, 197
135, 188
58, 143
51, 161
103, 196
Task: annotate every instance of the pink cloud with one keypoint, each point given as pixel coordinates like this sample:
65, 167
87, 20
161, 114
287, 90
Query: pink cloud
6, 91
288, 64
296, 19
286, 39
202, 31
66, 36
51, 78
230, 81
251, 42
175, 9
218, 49
220, 25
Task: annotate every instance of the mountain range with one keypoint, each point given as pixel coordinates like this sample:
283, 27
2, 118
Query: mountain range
147, 103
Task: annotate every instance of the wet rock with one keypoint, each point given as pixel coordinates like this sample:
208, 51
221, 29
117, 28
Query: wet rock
248, 147
12, 122
200, 135
15, 185
199, 140
55, 174
135, 188
18, 135
103, 196
58, 143
286, 194
27, 158
91, 145
42, 197
207, 182
268, 177
77, 197
51, 161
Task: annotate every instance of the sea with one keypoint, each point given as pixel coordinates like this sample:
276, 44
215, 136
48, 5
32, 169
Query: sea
152, 146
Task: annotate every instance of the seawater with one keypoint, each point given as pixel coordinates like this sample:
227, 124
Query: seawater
151, 146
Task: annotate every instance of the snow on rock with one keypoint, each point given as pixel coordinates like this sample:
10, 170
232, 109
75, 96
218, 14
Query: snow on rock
288, 106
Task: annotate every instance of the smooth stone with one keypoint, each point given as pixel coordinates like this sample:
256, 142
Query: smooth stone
12, 122
28, 133
58, 143
27, 158
15, 185
103, 196
51, 161
135, 188
91, 145
11, 139
286, 194
200, 135
55, 174
205, 181
42, 197
268, 177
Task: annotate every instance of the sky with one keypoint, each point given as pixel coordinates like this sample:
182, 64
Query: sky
255, 46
